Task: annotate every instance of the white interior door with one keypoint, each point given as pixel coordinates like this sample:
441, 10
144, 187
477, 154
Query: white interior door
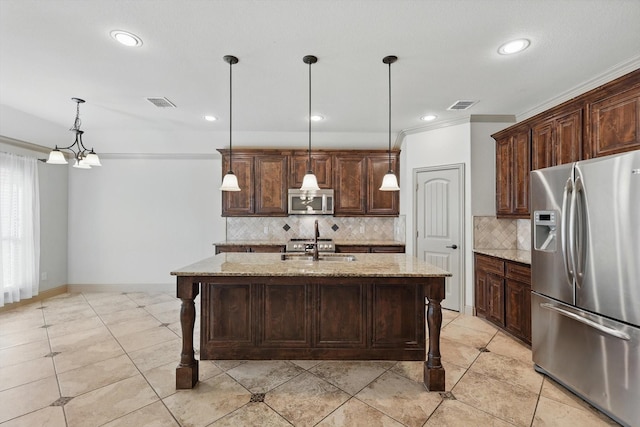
439, 230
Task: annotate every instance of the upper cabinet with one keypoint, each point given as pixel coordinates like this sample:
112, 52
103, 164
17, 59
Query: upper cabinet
598, 123
265, 176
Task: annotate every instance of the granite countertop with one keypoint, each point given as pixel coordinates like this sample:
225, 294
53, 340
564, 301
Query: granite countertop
509, 254
259, 264
337, 242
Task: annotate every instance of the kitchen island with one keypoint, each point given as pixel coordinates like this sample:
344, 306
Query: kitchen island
263, 306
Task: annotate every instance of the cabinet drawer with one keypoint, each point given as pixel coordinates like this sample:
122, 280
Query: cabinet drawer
518, 272
490, 264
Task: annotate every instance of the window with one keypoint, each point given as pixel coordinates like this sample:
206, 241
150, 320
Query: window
19, 228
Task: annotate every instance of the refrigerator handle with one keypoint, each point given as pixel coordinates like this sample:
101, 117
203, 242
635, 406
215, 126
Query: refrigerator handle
579, 242
604, 329
565, 236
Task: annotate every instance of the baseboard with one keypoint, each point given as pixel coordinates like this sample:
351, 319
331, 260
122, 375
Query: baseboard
135, 287
49, 293
469, 310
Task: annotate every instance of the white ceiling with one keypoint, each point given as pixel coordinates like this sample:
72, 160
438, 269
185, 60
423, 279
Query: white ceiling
52, 50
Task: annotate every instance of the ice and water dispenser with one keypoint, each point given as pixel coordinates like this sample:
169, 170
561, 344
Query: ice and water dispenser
544, 231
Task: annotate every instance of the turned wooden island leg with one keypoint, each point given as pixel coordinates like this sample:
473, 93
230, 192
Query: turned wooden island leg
433, 369
187, 370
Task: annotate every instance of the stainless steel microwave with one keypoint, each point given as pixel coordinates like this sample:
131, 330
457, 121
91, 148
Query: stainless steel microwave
310, 202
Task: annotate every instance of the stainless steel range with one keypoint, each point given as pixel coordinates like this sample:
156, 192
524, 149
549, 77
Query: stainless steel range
304, 245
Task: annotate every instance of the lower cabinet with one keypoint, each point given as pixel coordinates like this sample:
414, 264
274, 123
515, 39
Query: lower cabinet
249, 248
393, 249
503, 294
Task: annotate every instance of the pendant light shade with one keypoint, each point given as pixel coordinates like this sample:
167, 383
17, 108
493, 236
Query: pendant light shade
390, 181
230, 180
309, 182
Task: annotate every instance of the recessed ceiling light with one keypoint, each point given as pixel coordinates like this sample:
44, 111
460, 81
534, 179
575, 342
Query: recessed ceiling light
210, 118
317, 118
126, 38
513, 46
428, 117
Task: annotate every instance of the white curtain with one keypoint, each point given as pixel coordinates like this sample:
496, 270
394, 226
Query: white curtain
19, 228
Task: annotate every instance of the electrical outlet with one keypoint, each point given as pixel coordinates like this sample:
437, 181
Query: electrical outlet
44, 275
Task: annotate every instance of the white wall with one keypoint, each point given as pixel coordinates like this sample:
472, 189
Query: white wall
134, 220
53, 217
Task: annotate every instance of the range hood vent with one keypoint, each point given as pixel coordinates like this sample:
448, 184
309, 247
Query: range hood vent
462, 105
161, 102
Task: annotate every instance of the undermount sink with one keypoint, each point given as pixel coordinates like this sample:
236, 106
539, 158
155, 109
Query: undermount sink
322, 257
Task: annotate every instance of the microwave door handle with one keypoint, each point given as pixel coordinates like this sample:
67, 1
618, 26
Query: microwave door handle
565, 236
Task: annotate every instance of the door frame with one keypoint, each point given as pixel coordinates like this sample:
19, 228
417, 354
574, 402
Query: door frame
459, 167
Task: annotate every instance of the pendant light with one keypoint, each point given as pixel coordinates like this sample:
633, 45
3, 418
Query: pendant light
309, 182
230, 180
390, 181
84, 158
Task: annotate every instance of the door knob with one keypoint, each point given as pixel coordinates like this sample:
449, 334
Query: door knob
453, 246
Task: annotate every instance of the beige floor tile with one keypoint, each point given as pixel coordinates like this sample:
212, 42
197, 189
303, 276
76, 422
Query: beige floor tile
559, 393
130, 314
458, 353
400, 398
449, 315
110, 402
551, 414
97, 375
157, 355
154, 415
143, 298
20, 324
350, 376
453, 413
476, 323
23, 373
146, 338
508, 346
170, 316
415, 372
510, 370
24, 352
74, 326
80, 340
252, 414
306, 399
114, 306
23, 337
260, 376
356, 413
306, 364
225, 365
163, 307
93, 353
50, 416
131, 326
27, 398
465, 335
498, 398
209, 401
68, 314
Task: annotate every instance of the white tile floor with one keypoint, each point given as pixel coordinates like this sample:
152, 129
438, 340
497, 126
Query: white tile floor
108, 359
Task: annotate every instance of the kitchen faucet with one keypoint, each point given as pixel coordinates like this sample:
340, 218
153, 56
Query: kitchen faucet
315, 241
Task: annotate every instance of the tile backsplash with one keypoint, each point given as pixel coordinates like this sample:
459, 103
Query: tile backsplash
281, 229
490, 232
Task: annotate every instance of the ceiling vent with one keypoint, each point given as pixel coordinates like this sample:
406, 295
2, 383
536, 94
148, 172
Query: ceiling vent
462, 105
161, 102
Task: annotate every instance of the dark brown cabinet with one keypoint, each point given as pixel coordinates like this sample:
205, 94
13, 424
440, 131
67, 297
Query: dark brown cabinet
250, 248
321, 164
239, 203
386, 249
503, 294
513, 163
557, 140
381, 202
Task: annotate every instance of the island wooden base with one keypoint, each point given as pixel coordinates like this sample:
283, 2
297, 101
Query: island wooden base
324, 318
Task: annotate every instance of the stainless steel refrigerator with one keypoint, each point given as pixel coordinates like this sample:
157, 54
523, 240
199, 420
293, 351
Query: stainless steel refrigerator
585, 268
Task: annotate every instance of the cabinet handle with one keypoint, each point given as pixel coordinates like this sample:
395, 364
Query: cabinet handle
454, 246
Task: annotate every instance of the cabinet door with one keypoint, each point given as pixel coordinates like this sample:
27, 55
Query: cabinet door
495, 299
387, 249
520, 169
480, 292
271, 185
568, 138
268, 248
321, 165
381, 202
542, 145
504, 182
615, 124
517, 304
350, 180
353, 249
239, 203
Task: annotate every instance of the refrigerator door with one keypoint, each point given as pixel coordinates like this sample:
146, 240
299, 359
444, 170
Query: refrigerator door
597, 358
551, 270
607, 236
